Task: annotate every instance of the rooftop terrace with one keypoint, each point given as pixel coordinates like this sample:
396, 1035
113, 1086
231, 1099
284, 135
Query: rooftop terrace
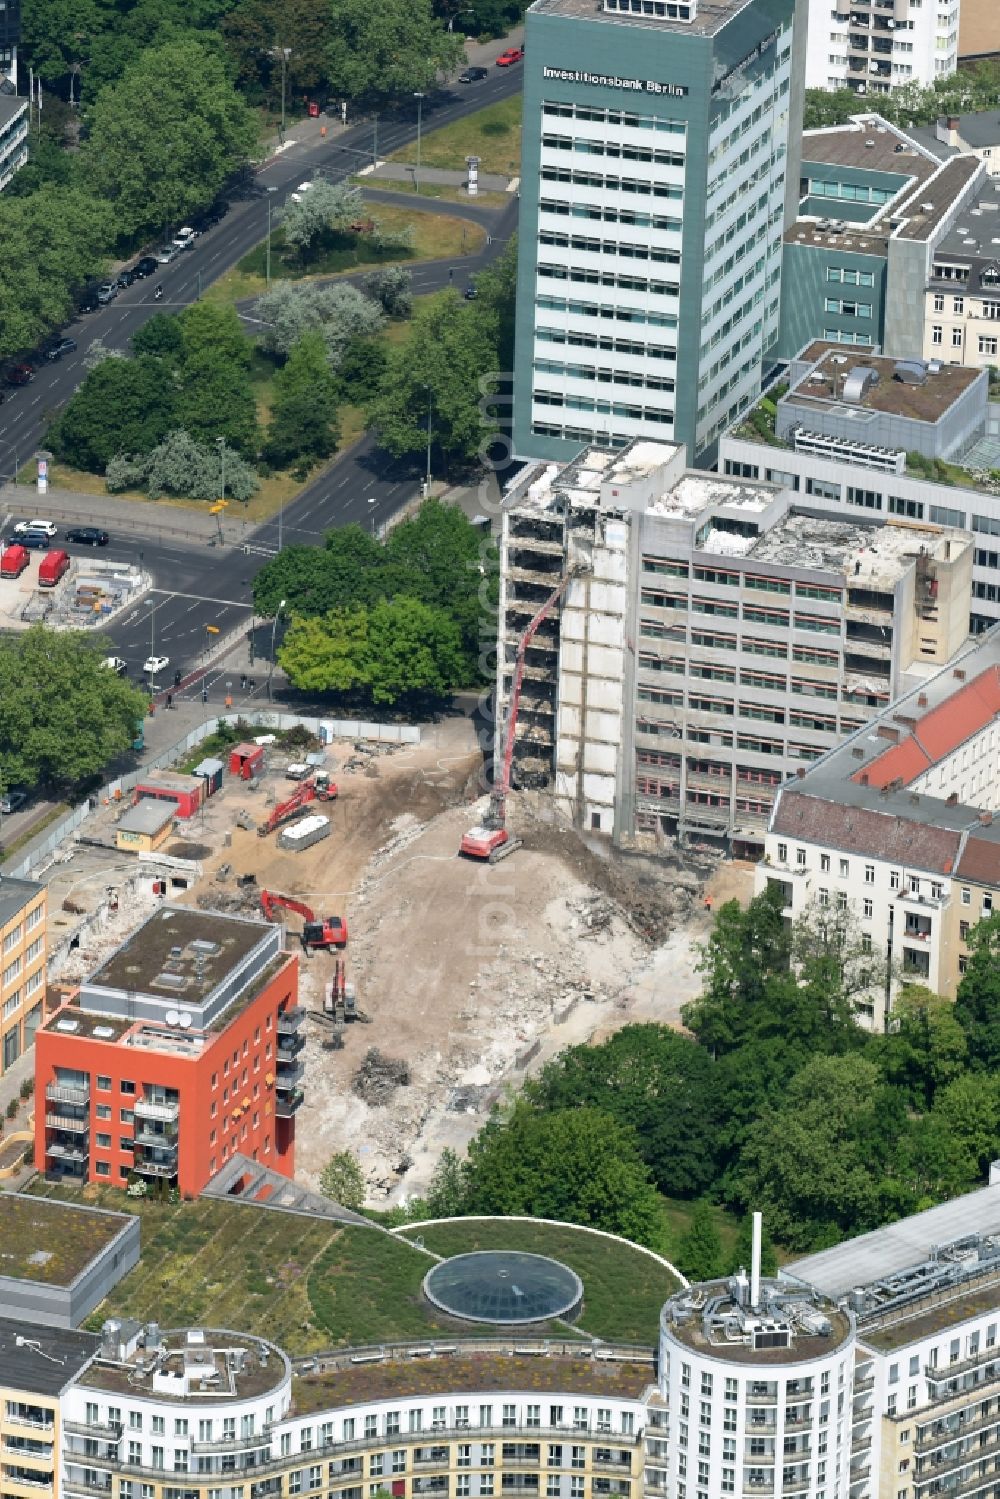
51, 1241
402, 1375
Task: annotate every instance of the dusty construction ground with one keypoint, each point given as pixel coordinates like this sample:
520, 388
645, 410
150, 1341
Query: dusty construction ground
469, 973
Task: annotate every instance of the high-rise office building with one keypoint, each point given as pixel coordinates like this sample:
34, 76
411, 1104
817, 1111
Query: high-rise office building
660, 137
878, 46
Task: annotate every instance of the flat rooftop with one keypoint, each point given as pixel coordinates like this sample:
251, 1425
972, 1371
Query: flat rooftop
822, 386
196, 948
192, 1362
71, 1019
10, 107
794, 1327
712, 15
923, 210
148, 816
868, 142
15, 895
946, 1309
863, 239
51, 1242
696, 492
874, 555
899, 1246
42, 1360
345, 1383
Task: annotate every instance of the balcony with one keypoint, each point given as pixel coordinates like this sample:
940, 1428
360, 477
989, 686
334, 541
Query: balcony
286, 1106
234, 1443
289, 1073
290, 1046
78, 1096
100, 1429
67, 1122
291, 1021
156, 1168
150, 1140
36, 1419
150, 1108
62, 1152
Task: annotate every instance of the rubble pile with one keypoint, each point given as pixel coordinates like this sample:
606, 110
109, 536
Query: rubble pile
378, 1077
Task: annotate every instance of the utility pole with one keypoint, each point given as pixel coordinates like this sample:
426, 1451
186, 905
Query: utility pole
420, 108
221, 444
430, 411
267, 253
375, 142
282, 54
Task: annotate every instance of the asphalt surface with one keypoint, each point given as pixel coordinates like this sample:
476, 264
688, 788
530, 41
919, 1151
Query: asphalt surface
203, 586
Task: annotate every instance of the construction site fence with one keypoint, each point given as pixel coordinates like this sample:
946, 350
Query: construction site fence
261, 720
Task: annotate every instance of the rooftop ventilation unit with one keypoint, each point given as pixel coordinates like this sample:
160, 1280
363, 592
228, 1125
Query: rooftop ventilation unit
170, 981
203, 947
103, 1032
67, 1025
910, 372
858, 382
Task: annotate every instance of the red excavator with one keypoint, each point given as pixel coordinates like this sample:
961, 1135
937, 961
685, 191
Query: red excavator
318, 788
491, 839
331, 931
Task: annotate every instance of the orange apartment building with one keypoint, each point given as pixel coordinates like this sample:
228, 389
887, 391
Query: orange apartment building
181, 1050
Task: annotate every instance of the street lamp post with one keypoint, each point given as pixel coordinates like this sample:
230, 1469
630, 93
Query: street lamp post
274, 628
284, 53
221, 445
420, 109
430, 412
267, 256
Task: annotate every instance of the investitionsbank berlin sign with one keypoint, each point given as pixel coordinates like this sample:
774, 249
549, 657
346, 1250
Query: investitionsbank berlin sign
611, 80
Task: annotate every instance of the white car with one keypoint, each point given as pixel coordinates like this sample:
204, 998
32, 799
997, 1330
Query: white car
167, 254
153, 664
117, 664
184, 238
299, 192
23, 526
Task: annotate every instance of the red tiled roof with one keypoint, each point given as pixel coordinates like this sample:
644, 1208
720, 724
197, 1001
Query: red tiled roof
938, 733
980, 860
862, 830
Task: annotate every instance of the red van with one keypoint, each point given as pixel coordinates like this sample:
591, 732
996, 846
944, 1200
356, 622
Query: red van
13, 561
52, 567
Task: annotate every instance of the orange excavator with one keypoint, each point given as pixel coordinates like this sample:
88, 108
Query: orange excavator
330, 931
318, 788
492, 840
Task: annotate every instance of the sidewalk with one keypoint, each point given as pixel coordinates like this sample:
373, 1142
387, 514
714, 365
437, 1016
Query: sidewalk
140, 517
399, 171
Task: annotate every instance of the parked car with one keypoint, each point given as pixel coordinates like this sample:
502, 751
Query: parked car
24, 526
117, 664
511, 56
12, 801
184, 238
145, 267
312, 109
39, 541
88, 536
470, 294
166, 254
473, 75
89, 302
154, 664
127, 277
106, 292
20, 374
61, 346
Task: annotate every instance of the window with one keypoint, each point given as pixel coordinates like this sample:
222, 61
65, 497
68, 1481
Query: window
104, 1084
937, 334
957, 338
103, 1141
800, 858
783, 855
103, 1111
845, 869
869, 874
894, 879
987, 345
966, 896
824, 863
868, 910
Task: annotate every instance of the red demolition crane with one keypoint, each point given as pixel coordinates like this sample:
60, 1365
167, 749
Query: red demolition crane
491, 839
331, 931
319, 788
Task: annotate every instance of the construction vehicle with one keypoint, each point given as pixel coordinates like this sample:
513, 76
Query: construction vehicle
330, 931
318, 788
492, 840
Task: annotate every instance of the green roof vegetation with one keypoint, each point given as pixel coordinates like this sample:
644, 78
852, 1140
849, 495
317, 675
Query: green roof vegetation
604, 1266
309, 1285
50, 1241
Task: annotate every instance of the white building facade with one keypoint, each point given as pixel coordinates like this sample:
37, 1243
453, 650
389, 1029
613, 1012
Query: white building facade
876, 48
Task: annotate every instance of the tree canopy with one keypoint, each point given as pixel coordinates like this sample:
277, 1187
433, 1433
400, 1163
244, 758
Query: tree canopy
377, 53
63, 715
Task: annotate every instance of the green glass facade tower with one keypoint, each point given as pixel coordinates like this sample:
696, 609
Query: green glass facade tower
659, 169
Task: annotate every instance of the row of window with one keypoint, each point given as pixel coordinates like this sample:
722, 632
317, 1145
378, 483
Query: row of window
675, 567
591, 277
622, 150
627, 118
632, 217
604, 376
662, 415
576, 340
611, 184
610, 313
681, 666
594, 246
760, 614
796, 718
844, 276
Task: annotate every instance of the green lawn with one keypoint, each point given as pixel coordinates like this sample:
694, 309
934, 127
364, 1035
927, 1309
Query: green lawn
493, 134
605, 1267
436, 236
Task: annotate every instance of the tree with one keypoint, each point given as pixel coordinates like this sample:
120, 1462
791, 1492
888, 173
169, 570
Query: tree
304, 414
50, 244
439, 557
341, 313
328, 653
314, 580
435, 378
342, 1180
414, 652
925, 1048
742, 1254
658, 1082
577, 1166
215, 399
448, 1191
819, 1166
977, 1004
163, 140
254, 34
63, 715
123, 406
361, 370
391, 286
969, 1109
745, 953
180, 466
162, 337
215, 329
699, 1255
326, 208
386, 51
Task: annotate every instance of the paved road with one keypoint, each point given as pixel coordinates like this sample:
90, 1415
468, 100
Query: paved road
215, 591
